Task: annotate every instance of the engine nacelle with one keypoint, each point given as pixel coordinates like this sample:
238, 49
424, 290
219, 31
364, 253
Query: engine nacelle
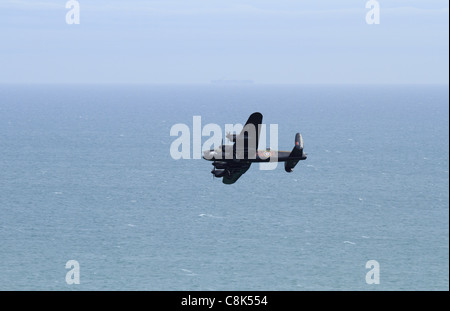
219, 164
218, 173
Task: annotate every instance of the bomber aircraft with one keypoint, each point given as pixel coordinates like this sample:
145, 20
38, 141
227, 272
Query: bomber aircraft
231, 161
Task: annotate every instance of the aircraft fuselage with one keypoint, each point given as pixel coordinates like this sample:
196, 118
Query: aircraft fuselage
259, 156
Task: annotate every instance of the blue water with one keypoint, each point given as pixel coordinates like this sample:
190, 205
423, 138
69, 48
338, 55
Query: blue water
86, 174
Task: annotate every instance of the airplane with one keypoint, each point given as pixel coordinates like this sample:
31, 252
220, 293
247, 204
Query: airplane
232, 161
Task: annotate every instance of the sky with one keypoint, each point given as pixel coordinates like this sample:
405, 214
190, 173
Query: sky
196, 41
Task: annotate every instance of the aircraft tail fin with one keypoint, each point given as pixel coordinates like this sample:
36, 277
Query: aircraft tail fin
296, 154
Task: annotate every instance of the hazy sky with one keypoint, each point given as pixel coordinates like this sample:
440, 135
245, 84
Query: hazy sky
195, 41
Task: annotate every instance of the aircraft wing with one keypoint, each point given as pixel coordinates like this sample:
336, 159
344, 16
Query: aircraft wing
248, 139
235, 173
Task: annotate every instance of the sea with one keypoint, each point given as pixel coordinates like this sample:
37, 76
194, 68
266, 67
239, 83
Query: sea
91, 198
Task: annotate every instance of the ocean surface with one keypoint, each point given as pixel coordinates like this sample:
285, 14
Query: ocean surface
86, 174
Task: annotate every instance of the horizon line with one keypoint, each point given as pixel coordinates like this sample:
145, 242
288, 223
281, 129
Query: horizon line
226, 84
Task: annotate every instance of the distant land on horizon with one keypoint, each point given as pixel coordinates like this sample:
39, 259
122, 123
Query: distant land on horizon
232, 81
